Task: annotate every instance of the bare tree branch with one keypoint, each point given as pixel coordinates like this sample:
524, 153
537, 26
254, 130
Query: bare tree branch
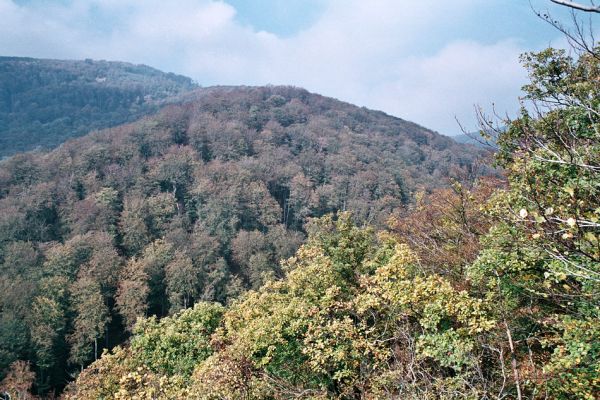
578, 39
577, 6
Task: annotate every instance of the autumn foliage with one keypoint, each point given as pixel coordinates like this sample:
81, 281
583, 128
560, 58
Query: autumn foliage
482, 291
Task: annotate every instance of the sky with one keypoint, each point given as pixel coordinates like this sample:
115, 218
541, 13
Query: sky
428, 61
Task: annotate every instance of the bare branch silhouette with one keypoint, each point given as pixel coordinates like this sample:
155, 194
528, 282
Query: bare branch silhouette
577, 6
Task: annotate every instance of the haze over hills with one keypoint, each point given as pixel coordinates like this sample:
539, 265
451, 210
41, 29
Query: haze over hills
476, 139
209, 194
45, 102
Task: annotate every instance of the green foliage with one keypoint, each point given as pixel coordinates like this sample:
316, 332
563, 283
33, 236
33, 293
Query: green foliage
575, 362
182, 281
174, 345
132, 293
159, 362
92, 316
541, 260
13, 340
47, 323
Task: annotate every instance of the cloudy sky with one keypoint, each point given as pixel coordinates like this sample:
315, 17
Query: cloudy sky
429, 61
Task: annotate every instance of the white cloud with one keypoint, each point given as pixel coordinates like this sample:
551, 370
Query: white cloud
451, 83
394, 55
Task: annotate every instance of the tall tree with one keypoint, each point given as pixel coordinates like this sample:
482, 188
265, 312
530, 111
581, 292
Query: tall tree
132, 293
182, 281
92, 316
18, 383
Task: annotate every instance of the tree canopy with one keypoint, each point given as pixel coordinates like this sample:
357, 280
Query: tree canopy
504, 306
46, 102
197, 203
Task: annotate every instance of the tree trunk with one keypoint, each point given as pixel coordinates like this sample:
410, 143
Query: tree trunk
513, 357
513, 360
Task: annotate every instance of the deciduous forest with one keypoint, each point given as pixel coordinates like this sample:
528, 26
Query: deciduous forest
45, 102
272, 243
197, 203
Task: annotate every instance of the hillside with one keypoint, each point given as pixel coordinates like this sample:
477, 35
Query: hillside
482, 291
197, 202
45, 102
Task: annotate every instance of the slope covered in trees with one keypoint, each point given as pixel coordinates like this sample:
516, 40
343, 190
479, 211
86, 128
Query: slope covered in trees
471, 295
45, 102
196, 203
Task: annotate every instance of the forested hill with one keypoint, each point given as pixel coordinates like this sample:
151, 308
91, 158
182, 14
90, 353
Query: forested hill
45, 102
489, 291
197, 202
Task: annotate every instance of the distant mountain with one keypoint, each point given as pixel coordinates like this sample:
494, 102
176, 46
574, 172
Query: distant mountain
465, 138
475, 139
45, 102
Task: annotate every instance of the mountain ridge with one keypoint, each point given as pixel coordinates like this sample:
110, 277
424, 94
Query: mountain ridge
82, 94
44, 102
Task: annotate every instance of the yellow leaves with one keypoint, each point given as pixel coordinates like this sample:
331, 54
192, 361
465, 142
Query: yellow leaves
396, 267
328, 324
227, 375
334, 344
570, 191
431, 293
366, 301
419, 197
561, 276
142, 384
591, 237
342, 313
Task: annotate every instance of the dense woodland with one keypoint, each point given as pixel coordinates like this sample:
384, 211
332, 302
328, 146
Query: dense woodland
198, 203
270, 243
45, 102
479, 291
